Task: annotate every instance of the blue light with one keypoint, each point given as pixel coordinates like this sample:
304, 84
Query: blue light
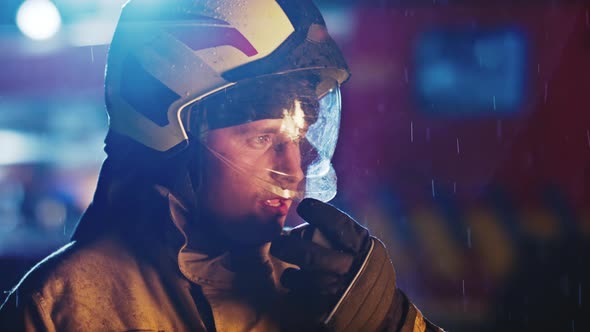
439, 77
470, 72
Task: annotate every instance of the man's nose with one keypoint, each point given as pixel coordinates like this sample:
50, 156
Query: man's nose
288, 165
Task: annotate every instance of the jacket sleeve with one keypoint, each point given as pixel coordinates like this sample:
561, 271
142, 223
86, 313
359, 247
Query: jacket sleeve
24, 313
373, 303
404, 316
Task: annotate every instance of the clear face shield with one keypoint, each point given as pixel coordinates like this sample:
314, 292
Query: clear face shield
279, 133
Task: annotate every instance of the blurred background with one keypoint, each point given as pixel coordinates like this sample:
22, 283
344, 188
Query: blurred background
465, 146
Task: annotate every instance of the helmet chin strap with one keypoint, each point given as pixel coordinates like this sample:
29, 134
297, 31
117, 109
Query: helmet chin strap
264, 184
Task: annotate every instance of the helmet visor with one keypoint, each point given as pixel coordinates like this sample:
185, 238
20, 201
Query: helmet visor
280, 135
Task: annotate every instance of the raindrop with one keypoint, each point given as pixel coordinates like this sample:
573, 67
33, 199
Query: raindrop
458, 149
454, 187
469, 237
428, 134
573, 326
499, 130
587, 19
464, 299
92, 53
588, 136
539, 68
406, 13
494, 101
433, 192
412, 131
546, 88
580, 294
406, 74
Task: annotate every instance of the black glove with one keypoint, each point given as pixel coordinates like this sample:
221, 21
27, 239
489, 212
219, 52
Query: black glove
345, 279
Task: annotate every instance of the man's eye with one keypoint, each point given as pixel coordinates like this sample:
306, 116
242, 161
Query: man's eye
261, 141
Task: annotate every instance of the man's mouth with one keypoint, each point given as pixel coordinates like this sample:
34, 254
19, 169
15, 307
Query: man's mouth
277, 205
276, 202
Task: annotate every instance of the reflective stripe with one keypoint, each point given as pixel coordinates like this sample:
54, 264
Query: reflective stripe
361, 270
419, 323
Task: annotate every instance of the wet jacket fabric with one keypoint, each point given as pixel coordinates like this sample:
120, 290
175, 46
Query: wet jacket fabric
132, 267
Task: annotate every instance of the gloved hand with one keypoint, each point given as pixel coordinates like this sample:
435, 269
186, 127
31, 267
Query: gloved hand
345, 279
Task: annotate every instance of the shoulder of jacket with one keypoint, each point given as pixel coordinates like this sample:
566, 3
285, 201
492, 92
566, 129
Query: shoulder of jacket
39, 274
69, 265
65, 287
35, 281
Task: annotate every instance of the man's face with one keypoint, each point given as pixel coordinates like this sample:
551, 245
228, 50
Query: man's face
240, 164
